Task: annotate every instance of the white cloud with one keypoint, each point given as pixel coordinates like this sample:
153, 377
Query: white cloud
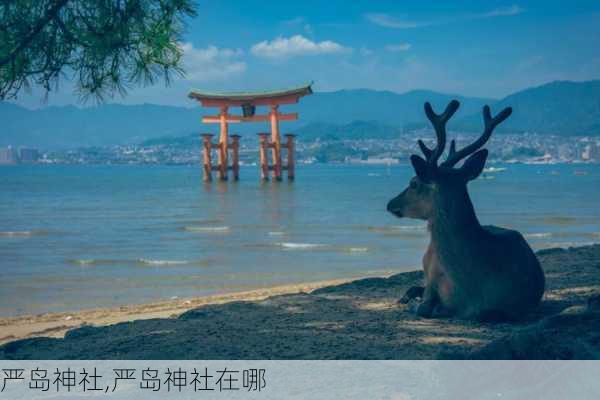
296, 45
393, 22
503, 11
388, 21
299, 22
365, 51
211, 63
395, 48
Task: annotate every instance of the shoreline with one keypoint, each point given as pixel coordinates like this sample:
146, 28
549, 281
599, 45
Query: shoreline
56, 324
355, 319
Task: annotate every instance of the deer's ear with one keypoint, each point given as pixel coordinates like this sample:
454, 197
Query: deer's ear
473, 166
422, 168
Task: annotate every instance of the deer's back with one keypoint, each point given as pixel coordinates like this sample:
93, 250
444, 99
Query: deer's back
512, 265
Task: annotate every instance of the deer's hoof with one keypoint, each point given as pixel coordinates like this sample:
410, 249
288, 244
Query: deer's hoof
424, 309
412, 293
439, 311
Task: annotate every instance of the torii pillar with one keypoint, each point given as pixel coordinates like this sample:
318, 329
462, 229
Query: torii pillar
275, 142
223, 144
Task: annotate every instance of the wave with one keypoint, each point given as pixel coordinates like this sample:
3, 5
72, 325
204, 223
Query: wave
16, 234
202, 221
409, 227
300, 246
110, 261
494, 169
309, 246
207, 229
397, 228
400, 230
538, 235
97, 261
358, 249
276, 233
21, 234
146, 261
541, 235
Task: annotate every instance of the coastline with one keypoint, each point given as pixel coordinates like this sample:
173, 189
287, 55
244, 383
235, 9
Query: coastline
56, 324
353, 319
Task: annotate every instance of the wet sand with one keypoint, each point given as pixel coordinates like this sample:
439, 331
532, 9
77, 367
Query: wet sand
361, 319
55, 325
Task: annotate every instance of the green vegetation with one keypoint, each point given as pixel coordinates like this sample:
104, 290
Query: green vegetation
332, 152
523, 152
105, 46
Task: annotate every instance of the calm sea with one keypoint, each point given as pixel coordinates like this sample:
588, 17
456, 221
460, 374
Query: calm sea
75, 237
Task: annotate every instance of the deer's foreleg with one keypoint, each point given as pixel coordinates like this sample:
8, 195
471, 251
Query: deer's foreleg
412, 293
430, 302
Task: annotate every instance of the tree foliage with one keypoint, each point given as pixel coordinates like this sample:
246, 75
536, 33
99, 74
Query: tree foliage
103, 46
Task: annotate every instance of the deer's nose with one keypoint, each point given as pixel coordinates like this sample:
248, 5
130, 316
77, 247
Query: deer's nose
390, 207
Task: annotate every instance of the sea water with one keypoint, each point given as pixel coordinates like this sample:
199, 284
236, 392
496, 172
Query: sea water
82, 236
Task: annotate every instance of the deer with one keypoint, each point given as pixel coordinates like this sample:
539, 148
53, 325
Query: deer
486, 273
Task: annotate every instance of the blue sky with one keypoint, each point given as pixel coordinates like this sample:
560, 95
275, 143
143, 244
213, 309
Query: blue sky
487, 49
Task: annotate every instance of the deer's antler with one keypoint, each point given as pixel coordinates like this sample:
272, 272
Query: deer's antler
439, 125
489, 123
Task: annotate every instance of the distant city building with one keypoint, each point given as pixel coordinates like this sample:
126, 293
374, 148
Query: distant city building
591, 152
585, 154
566, 152
8, 155
529, 148
27, 155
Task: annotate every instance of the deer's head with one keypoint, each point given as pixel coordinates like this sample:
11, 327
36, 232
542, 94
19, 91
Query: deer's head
432, 181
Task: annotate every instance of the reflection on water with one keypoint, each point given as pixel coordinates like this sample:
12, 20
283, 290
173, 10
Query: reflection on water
88, 236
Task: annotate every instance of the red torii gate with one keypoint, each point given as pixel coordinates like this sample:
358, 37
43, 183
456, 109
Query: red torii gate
249, 101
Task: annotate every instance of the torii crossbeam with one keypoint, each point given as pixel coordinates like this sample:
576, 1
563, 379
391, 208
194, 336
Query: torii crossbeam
248, 101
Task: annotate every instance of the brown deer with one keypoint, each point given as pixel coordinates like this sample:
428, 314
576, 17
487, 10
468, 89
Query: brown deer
471, 271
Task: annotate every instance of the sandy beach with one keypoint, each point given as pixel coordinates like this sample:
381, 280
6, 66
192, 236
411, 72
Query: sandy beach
359, 319
55, 325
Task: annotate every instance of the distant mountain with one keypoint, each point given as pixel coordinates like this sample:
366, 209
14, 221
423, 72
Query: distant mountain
389, 108
60, 127
56, 127
564, 108
353, 130
560, 107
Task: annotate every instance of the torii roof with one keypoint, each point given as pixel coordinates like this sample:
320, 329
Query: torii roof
282, 96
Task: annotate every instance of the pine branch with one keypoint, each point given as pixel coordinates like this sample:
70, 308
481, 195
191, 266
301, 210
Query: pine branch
50, 15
